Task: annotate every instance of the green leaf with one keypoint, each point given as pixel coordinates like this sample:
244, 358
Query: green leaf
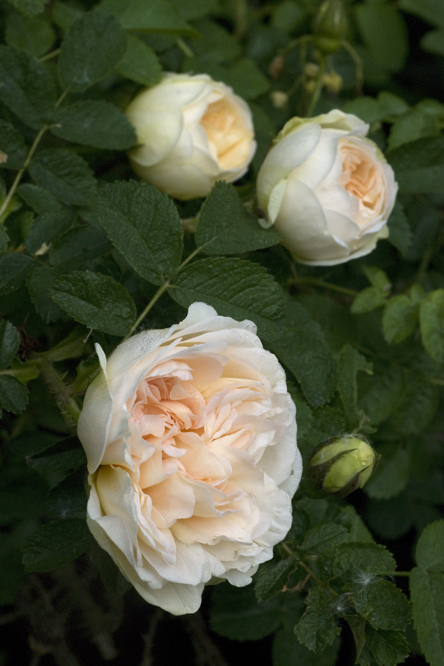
419, 166
287, 651
387, 387
68, 498
4, 239
64, 15
272, 578
415, 124
39, 199
97, 124
427, 594
27, 87
385, 34
357, 559
417, 408
39, 284
95, 300
323, 537
79, 245
351, 362
431, 319
191, 12
377, 277
144, 226
13, 145
14, 267
65, 174
235, 288
389, 648
9, 343
34, 35
246, 79
29, 7
91, 48
430, 547
225, 227
400, 232
399, 319
46, 230
61, 458
301, 345
433, 42
235, 614
13, 395
317, 627
431, 11
139, 63
391, 476
373, 110
382, 604
358, 530
368, 299
155, 16
56, 543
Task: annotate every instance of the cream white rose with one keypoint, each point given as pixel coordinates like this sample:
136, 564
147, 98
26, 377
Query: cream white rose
327, 188
190, 437
191, 131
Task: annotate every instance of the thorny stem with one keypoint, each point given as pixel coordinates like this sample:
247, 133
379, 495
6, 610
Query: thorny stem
316, 282
66, 404
358, 65
185, 48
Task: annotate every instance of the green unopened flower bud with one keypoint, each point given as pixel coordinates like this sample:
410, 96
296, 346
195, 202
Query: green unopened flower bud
342, 464
330, 26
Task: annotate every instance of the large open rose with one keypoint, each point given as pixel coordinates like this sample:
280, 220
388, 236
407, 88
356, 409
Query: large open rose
190, 436
327, 188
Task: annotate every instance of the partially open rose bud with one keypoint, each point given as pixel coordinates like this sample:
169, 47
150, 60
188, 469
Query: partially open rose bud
191, 131
327, 189
342, 464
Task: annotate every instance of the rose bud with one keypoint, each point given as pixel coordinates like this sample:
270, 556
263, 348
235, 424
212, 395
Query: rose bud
342, 464
327, 188
191, 131
330, 26
190, 437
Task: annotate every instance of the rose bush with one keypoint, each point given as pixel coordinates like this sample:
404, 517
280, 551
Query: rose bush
191, 132
327, 189
190, 437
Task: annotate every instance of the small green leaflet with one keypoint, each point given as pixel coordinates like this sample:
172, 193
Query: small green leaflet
351, 558
39, 283
350, 362
323, 537
27, 87
13, 395
419, 166
399, 319
65, 174
29, 7
272, 578
368, 299
14, 267
382, 604
139, 63
389, 648
430, 547
431, 318
95, 300
225, 227
92, 47
400, 233
56, 543
317, 628
46, 230
391, 476
427, 594
235, 288
236, 614
385, 393
144, 226
31, 34
13, 145
153, 16
78, 245
39, 199
9, 343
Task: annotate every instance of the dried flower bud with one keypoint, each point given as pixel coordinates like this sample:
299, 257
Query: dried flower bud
330, 26
342, 464
276, 66
333, 82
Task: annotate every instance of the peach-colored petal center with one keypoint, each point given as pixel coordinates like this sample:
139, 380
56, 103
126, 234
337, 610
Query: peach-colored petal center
227, 131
